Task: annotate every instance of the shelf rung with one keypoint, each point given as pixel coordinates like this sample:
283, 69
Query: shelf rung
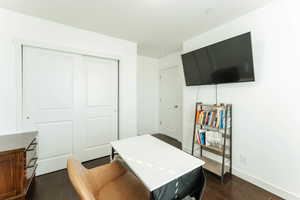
214, 150
213, 166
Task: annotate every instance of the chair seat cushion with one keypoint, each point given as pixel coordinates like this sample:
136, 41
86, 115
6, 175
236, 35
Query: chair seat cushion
125, 187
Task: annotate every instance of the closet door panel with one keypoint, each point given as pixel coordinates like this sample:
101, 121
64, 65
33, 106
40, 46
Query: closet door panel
48, 104
101, 106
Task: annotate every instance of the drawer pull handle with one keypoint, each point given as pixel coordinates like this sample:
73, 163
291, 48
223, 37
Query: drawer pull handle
32, 160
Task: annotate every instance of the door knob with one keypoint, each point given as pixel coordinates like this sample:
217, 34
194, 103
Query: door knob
176, 106
27, 117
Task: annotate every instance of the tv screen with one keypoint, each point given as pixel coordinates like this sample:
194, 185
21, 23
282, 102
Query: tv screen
228, 61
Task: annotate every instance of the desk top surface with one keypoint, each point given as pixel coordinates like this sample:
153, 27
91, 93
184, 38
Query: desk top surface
155, 162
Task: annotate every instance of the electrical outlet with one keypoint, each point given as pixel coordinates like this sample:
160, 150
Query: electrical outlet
243, 159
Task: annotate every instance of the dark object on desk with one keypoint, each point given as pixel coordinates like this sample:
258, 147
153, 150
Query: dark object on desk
191, 184
17, 165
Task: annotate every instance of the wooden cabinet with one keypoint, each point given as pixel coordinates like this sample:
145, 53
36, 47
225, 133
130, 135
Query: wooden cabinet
8, 167
17, 172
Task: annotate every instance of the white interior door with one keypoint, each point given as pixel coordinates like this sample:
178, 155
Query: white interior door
170, 102
72, 101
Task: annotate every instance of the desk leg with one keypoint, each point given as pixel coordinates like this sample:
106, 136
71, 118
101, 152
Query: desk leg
151, 196
112, 156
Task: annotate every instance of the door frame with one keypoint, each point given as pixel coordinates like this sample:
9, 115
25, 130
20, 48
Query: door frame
18, 59
180, 129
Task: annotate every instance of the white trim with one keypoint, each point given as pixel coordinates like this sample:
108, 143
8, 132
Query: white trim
52, 46
260, 183
19, 84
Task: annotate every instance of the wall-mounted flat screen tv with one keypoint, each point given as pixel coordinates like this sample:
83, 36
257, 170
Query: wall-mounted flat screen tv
229, 61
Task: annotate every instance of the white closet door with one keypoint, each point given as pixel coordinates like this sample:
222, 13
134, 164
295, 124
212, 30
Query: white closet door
48, 104
72, 101
99, 103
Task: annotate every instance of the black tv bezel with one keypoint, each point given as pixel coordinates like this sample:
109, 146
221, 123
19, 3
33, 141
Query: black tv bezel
253, 71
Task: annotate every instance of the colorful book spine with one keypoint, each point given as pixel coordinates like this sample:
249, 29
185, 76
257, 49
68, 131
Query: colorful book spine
207, 119
213, 119
203, 117
197, 116
200, 117
198, 138
222, 119
210, 118
218, 119
203, 138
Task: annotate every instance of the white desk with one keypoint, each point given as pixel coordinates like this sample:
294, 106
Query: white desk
155, 162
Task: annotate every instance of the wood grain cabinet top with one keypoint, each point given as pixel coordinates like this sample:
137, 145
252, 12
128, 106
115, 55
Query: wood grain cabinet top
18, 161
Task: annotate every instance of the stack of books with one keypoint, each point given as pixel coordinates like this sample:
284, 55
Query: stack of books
211, 118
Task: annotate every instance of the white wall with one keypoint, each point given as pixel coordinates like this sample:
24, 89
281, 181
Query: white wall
174, 60
171, 60
266, 119
148, 95
14, 26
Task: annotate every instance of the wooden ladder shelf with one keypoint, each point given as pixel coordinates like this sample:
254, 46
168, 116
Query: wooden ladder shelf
217, 120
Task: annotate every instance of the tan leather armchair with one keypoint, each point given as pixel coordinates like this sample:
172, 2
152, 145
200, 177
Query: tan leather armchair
108, 182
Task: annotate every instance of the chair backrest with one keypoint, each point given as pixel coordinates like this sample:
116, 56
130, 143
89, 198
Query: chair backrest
81, 180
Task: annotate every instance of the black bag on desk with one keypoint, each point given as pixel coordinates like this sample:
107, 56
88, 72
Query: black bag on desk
191, 184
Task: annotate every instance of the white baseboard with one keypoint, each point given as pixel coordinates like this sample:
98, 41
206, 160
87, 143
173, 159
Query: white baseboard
260, 183
265, 185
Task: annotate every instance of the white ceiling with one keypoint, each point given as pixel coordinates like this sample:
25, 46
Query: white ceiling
158, 26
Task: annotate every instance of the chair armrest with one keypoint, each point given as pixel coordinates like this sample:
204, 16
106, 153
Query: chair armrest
107, 173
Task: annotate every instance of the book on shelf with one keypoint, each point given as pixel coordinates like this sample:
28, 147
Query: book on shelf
200, 137
197, 138
197, 116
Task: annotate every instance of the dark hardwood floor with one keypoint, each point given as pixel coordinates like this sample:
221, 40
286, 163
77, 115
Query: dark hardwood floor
56, 185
